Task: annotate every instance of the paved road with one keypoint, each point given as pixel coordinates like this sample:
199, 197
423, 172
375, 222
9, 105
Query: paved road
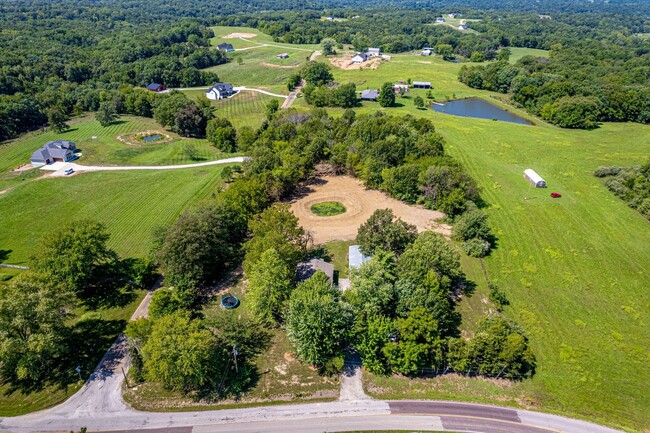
292, 96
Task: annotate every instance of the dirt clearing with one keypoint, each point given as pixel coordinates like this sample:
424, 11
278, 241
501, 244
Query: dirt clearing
271, 65
239, 35
346, 64
360, 203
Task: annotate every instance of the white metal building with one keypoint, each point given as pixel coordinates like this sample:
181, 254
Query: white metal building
534, 178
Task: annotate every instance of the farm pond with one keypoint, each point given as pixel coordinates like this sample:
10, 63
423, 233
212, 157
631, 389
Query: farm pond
478, 108
150, 138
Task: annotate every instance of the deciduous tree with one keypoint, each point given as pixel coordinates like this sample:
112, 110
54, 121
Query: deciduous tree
384, 231
269, 288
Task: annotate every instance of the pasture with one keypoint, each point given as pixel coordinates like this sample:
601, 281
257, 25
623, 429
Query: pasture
574, 269
99, 145
518, 53
130, 203
246, 108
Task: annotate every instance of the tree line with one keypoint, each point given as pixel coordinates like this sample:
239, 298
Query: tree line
631, 184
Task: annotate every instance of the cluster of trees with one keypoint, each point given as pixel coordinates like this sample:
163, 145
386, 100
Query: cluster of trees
72, 267
577, 87
404, 301
320, 90
57, 61
405, 157
631, 184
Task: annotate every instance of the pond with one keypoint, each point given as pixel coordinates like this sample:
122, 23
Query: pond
150, 138
478, 108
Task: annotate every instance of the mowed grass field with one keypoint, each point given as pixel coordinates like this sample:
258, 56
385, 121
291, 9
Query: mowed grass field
130, 203
100, 146
518, 53
246, 108
575, 269
260, 67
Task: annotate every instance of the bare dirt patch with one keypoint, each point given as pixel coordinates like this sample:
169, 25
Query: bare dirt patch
424, 62
360, 203
239, 35
346, 64
271, 65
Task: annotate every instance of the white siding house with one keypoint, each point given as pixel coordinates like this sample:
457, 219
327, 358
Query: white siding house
534, 178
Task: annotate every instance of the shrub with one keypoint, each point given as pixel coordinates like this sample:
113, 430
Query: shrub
476, 247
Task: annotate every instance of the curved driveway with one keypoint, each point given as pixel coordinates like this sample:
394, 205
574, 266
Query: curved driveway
59, 168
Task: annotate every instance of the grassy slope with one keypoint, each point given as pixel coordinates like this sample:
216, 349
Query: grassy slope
518, 53
244, 109
574, 268
105, 149
130, 204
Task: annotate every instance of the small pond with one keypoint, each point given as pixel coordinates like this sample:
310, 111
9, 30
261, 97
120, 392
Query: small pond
478, 108
150, 138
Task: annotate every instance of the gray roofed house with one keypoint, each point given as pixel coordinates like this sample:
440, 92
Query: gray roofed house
359, 58
283, 56
369, 95
307, 269
54, 151
355, 257
220, 91
374, 52
226, 47
421, 84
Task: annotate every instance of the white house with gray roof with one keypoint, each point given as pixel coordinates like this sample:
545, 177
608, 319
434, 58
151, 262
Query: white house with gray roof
53, 151
220, 91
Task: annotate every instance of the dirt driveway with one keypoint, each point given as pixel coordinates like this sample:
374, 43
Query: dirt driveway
360, 203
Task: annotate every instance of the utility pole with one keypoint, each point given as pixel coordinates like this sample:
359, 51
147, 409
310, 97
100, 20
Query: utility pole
235, 353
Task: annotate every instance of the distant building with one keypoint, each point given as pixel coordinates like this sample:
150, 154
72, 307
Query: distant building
386, 57
426, 52
534, 178
283, 56
307, 269
355, 257
544, 17
359, 58
374, 52
369, 95
226, 47
220, 91
440, 20
330, 18
421, 84
155, 87
356, 17
401, 87
462, 27
452, 16
53, 151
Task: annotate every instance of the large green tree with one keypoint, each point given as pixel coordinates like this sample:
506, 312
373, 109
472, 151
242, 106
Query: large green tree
33, 313
73, 255
199, 246
276, 227
317, 73
371, 291
383, 231
181, 354
318, 324
221, 134
269, 287
386, 95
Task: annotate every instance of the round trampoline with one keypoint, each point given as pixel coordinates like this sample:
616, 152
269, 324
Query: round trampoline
229, 302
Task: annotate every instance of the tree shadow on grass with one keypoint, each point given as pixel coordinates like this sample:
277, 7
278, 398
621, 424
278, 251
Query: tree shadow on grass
4, 255
87, 342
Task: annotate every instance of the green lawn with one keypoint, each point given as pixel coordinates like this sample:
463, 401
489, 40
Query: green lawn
244, 109
518, 53
328, 208
104, 148
130, 203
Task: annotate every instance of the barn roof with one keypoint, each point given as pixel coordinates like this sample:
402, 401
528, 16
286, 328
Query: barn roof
532, 175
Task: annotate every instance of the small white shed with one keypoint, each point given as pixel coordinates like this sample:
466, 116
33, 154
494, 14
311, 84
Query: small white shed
534, 178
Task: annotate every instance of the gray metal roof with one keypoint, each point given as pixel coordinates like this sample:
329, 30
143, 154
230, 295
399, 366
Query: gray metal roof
421, 83
364, 56
309, 268
53, 149
222, 87
355, 257
369, 94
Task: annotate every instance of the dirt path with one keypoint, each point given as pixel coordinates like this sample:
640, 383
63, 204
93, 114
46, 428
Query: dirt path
360, 203
293, 95
314, 55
